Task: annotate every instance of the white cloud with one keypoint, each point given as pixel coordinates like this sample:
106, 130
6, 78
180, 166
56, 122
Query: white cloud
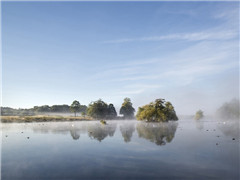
227, 30
195, 36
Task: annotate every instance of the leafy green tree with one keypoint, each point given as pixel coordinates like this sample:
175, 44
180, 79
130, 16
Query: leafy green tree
75, 107
97, 109
83, 108
170, 112
111, 111
60, 108
83, 114
198, 115
157, 111
127, 109
44, 108
101, 110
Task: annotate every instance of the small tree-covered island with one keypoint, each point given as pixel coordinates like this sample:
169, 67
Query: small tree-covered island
199, 115
158, 111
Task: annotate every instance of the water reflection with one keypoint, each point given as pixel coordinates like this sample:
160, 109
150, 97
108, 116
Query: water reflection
99, 131
74, 134
51, 152
229, 128
199, 124
61, 128
159, 133
127, 130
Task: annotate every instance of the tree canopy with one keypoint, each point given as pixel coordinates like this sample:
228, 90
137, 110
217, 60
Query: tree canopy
127, 109
101, 110
198, 115
159, 111
75, 107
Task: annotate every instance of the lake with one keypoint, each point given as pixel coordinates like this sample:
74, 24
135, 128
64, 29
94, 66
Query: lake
186, 149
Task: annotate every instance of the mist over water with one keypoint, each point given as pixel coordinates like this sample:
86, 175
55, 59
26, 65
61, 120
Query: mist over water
58, 58
202, 149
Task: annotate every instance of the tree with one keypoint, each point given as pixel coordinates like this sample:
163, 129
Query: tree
75, 107
100, 109
83, 109
44, 108
127, 110
60, 108
83, 113
198, 115
111, 111
97, 109
157, 111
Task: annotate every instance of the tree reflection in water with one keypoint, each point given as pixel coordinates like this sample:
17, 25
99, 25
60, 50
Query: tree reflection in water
62, 128
230, 128
99, 131
127, 130
159, 133
199, 124
74, 134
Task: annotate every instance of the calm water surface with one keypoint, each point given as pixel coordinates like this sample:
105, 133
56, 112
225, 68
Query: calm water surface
186, 149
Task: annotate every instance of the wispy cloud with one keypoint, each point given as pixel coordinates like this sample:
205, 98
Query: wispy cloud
134, 89
225, 31
195, 36
182, 68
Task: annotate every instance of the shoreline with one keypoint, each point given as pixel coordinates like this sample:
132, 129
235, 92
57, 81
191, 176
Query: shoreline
39, 118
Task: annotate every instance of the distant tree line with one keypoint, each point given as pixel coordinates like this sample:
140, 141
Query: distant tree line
96, 109
7, 111
155, 111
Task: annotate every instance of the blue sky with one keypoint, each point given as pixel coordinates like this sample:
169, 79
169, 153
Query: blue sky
56, 52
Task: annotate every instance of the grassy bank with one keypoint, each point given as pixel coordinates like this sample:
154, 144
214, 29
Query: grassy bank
24, 119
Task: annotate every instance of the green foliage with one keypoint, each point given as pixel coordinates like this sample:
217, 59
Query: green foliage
83, 113
101, 110
103, 122
44, 108
6, 111
127, 110
112, 113
159, 111
60, 108
198, 115
75, 107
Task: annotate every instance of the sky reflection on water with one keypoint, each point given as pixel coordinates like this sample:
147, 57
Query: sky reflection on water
185, 149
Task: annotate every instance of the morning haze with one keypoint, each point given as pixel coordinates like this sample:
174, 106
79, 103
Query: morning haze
55, 52
120, 90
